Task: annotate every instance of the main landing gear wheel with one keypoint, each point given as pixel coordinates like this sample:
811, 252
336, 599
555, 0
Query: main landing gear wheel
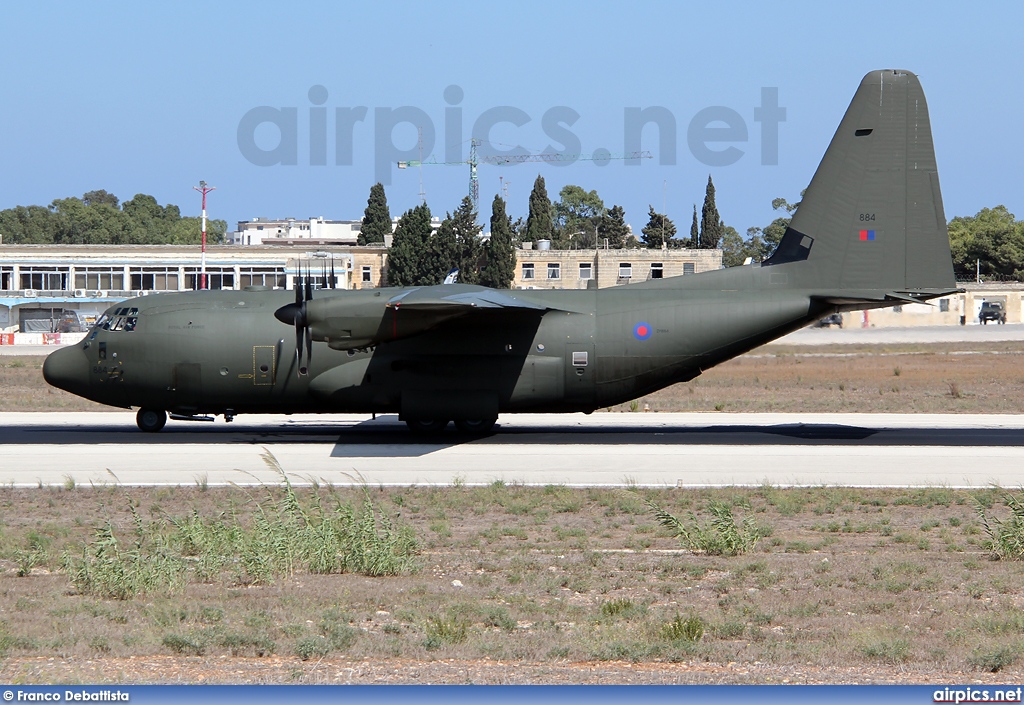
475, 426
151, 420
426, 425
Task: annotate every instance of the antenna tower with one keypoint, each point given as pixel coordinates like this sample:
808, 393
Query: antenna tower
203, 189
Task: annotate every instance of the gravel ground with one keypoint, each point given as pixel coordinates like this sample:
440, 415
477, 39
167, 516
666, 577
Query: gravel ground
227, 670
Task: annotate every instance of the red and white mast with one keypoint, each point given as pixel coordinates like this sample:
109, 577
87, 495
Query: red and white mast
203, 189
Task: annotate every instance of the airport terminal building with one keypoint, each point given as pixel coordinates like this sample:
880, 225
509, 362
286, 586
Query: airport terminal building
51, 289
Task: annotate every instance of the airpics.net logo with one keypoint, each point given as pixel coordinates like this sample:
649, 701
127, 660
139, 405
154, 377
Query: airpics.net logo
715, 136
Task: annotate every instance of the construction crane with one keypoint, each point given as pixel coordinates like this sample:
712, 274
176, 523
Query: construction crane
475, 159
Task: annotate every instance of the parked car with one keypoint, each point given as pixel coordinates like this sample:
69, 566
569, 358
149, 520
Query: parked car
833, 319
992, 311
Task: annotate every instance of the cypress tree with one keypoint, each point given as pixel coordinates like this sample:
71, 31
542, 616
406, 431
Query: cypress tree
694, 231
501, 256
538, 222
710, 222
407, 258
376, 218
659, 230
467, 243
441, 254
612, 227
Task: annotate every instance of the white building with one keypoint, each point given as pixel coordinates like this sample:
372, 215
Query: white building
313, 231
42, 284
259, 231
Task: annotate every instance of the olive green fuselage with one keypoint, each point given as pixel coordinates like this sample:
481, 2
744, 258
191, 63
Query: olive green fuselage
214, 352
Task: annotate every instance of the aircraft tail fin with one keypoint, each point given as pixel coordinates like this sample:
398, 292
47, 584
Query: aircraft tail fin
872, 218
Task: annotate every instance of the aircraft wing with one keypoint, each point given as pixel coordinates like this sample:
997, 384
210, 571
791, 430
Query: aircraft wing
441, 299
346, 325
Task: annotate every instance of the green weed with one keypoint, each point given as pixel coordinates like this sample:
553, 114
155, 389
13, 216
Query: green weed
994, 660
690, 629
1006, 537
185, 644
445, 630
721, 536
622, 608
892, 651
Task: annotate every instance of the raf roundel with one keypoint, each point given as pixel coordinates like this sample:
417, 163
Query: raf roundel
642, 330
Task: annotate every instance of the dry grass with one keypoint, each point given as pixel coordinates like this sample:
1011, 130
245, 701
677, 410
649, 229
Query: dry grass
939, 378
894, 379
545, 578
24, 389
868, 578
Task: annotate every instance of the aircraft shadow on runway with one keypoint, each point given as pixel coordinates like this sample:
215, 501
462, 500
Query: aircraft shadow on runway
374, 439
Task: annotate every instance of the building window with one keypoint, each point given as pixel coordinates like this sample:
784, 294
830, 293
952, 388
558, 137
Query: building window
154, 278
271, 277
625, 270
586, 270
45, 278
99, 278
689, 268
367, 274
943, 305
657, 270
528, 270
316, 281
554, 270
216, 278
6, 278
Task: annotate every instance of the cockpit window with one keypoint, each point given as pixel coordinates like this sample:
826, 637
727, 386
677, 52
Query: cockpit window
124, 319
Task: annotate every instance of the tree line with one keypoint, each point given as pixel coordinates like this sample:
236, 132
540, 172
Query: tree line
98, 218
989, 243
578, 220
421, 256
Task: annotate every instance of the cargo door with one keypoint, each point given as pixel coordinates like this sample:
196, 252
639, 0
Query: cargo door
188, 386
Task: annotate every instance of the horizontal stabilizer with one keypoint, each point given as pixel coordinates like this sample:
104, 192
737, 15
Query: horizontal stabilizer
877, 299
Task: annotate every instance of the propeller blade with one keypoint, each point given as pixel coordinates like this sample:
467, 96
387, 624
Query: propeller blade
309, 346
309, 286
298, 346
334, 281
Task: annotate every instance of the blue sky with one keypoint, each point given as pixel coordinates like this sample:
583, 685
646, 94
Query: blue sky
139, 98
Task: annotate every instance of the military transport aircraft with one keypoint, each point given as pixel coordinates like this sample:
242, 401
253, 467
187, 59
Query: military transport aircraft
869, 232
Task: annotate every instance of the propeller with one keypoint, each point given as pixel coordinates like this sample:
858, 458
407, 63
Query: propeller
296, 314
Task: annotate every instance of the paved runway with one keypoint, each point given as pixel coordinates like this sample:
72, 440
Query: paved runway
705, 449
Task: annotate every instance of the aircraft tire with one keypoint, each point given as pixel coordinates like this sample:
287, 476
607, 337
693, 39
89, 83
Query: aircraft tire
426, 425
151, 420
475, 426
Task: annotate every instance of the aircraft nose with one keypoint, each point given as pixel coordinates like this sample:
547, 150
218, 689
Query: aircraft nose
67, 369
